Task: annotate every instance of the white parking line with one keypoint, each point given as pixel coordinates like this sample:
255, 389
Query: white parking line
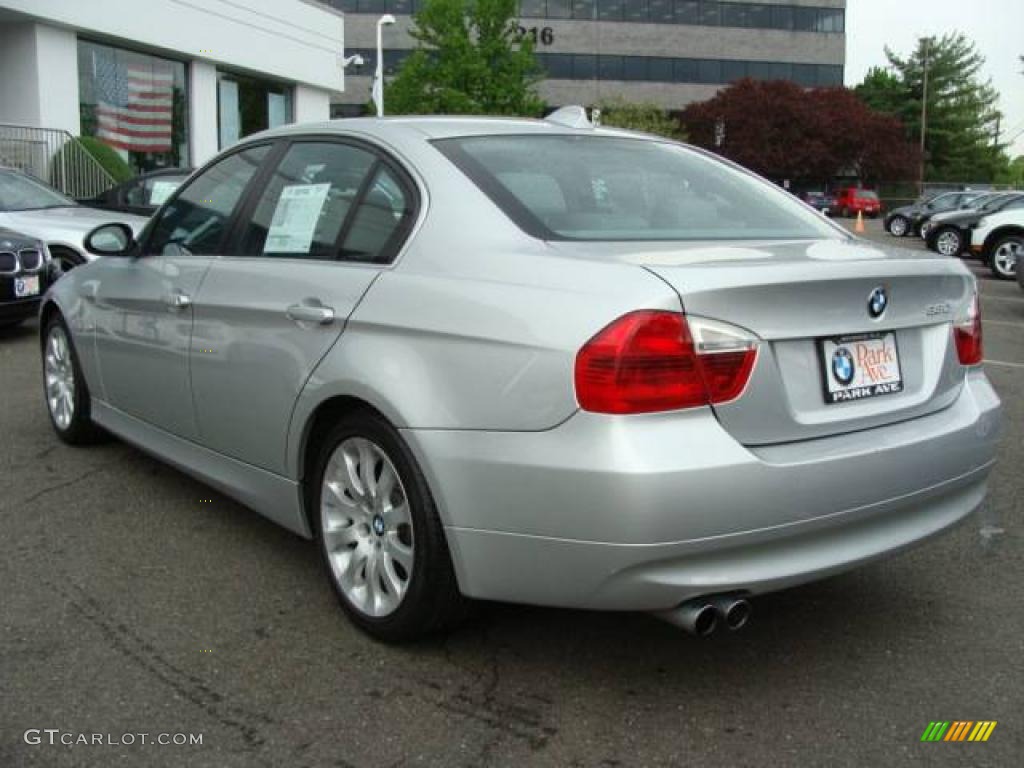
1004, 363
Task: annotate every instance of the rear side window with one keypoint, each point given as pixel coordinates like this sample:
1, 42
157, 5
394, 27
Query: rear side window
568, 187
196, 221
329, 201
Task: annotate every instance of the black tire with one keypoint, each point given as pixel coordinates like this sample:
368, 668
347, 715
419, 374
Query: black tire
80, 430
845, 213
948, 237
996, 263
432, 602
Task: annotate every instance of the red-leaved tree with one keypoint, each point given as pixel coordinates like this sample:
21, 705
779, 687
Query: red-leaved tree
783, 131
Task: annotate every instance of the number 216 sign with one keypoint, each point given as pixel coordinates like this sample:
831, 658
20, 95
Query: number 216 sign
539, 35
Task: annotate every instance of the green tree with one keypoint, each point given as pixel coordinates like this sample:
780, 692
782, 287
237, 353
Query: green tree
882, 91
1014, 173
469, 60
962, 107
641, 116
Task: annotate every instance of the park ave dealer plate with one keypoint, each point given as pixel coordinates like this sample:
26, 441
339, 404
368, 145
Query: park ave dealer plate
858, 367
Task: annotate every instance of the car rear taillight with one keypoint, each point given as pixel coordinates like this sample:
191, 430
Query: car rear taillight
653, 360
967, 334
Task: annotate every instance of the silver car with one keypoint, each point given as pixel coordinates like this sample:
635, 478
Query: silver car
531, 361
29, 206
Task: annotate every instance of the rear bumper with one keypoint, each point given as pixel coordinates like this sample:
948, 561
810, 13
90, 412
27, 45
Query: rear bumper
643, 513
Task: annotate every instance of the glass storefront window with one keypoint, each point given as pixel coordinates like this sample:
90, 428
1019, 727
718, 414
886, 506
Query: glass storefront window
246, 105
135, 103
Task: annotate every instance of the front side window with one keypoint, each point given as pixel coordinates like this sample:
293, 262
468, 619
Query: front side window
330, 201
134, 103
20, 193
196, 220
609, 188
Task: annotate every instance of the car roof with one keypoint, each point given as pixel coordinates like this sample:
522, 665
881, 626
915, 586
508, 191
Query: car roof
439, 127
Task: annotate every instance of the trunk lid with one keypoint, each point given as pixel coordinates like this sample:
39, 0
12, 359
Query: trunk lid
794, 296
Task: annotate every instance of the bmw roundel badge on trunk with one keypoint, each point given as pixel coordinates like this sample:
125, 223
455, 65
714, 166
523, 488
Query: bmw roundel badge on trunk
878, 301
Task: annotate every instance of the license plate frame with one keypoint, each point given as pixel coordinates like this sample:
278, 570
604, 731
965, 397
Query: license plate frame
871, 377
26, 287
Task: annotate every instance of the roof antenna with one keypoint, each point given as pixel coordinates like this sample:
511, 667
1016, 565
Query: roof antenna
570, 117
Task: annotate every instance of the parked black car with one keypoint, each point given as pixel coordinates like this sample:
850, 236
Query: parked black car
950, 235
909, 218
26, 271
141, 195
820, 201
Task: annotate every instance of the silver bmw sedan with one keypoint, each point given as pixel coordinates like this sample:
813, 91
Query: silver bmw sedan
531, 361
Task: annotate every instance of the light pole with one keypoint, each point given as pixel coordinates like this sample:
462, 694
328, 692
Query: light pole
378, 78
924, 115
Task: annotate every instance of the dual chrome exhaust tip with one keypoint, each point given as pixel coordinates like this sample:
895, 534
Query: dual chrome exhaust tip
703, 615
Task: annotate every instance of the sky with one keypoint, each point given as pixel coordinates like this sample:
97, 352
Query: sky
996, 26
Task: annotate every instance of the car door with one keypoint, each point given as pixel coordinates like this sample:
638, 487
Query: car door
327, 217
144, 304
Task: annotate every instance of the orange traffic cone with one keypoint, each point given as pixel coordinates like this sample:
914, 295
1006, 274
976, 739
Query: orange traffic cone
860, 222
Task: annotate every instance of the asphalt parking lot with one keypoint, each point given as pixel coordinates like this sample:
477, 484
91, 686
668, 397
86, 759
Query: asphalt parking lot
136, 600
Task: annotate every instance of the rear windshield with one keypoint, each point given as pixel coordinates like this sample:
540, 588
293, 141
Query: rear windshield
560, 187
867, 194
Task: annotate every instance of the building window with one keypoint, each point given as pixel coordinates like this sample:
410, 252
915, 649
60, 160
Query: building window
559, 9
782, 17
711, 13
657, 69
635, 10
246, 105
733, 71
661, 11
584, 66
533, 9
136, 103
584, 9
609, 10
687, 12
609, 67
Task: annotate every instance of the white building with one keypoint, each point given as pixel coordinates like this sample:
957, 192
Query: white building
167, 82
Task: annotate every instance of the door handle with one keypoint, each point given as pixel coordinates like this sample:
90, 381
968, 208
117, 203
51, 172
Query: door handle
311, 313
179, 300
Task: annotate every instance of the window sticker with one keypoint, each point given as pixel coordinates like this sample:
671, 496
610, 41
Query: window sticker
295, 218
161, 191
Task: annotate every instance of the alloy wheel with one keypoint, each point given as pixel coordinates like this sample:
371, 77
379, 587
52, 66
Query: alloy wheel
367, 527
1005, 256
59, 373
948, 243
898, 227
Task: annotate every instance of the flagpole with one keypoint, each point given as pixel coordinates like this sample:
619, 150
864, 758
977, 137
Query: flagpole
378, 78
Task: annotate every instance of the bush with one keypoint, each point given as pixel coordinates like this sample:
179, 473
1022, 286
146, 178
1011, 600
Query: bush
649, 118
107, 157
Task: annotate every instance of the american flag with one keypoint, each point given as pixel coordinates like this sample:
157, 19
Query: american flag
134, 104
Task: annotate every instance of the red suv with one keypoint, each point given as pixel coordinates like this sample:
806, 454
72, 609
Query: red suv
851, 200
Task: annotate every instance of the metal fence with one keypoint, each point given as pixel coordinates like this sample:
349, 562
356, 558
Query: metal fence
54, 156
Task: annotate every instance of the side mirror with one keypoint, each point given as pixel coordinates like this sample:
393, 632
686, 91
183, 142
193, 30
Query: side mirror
110, 240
